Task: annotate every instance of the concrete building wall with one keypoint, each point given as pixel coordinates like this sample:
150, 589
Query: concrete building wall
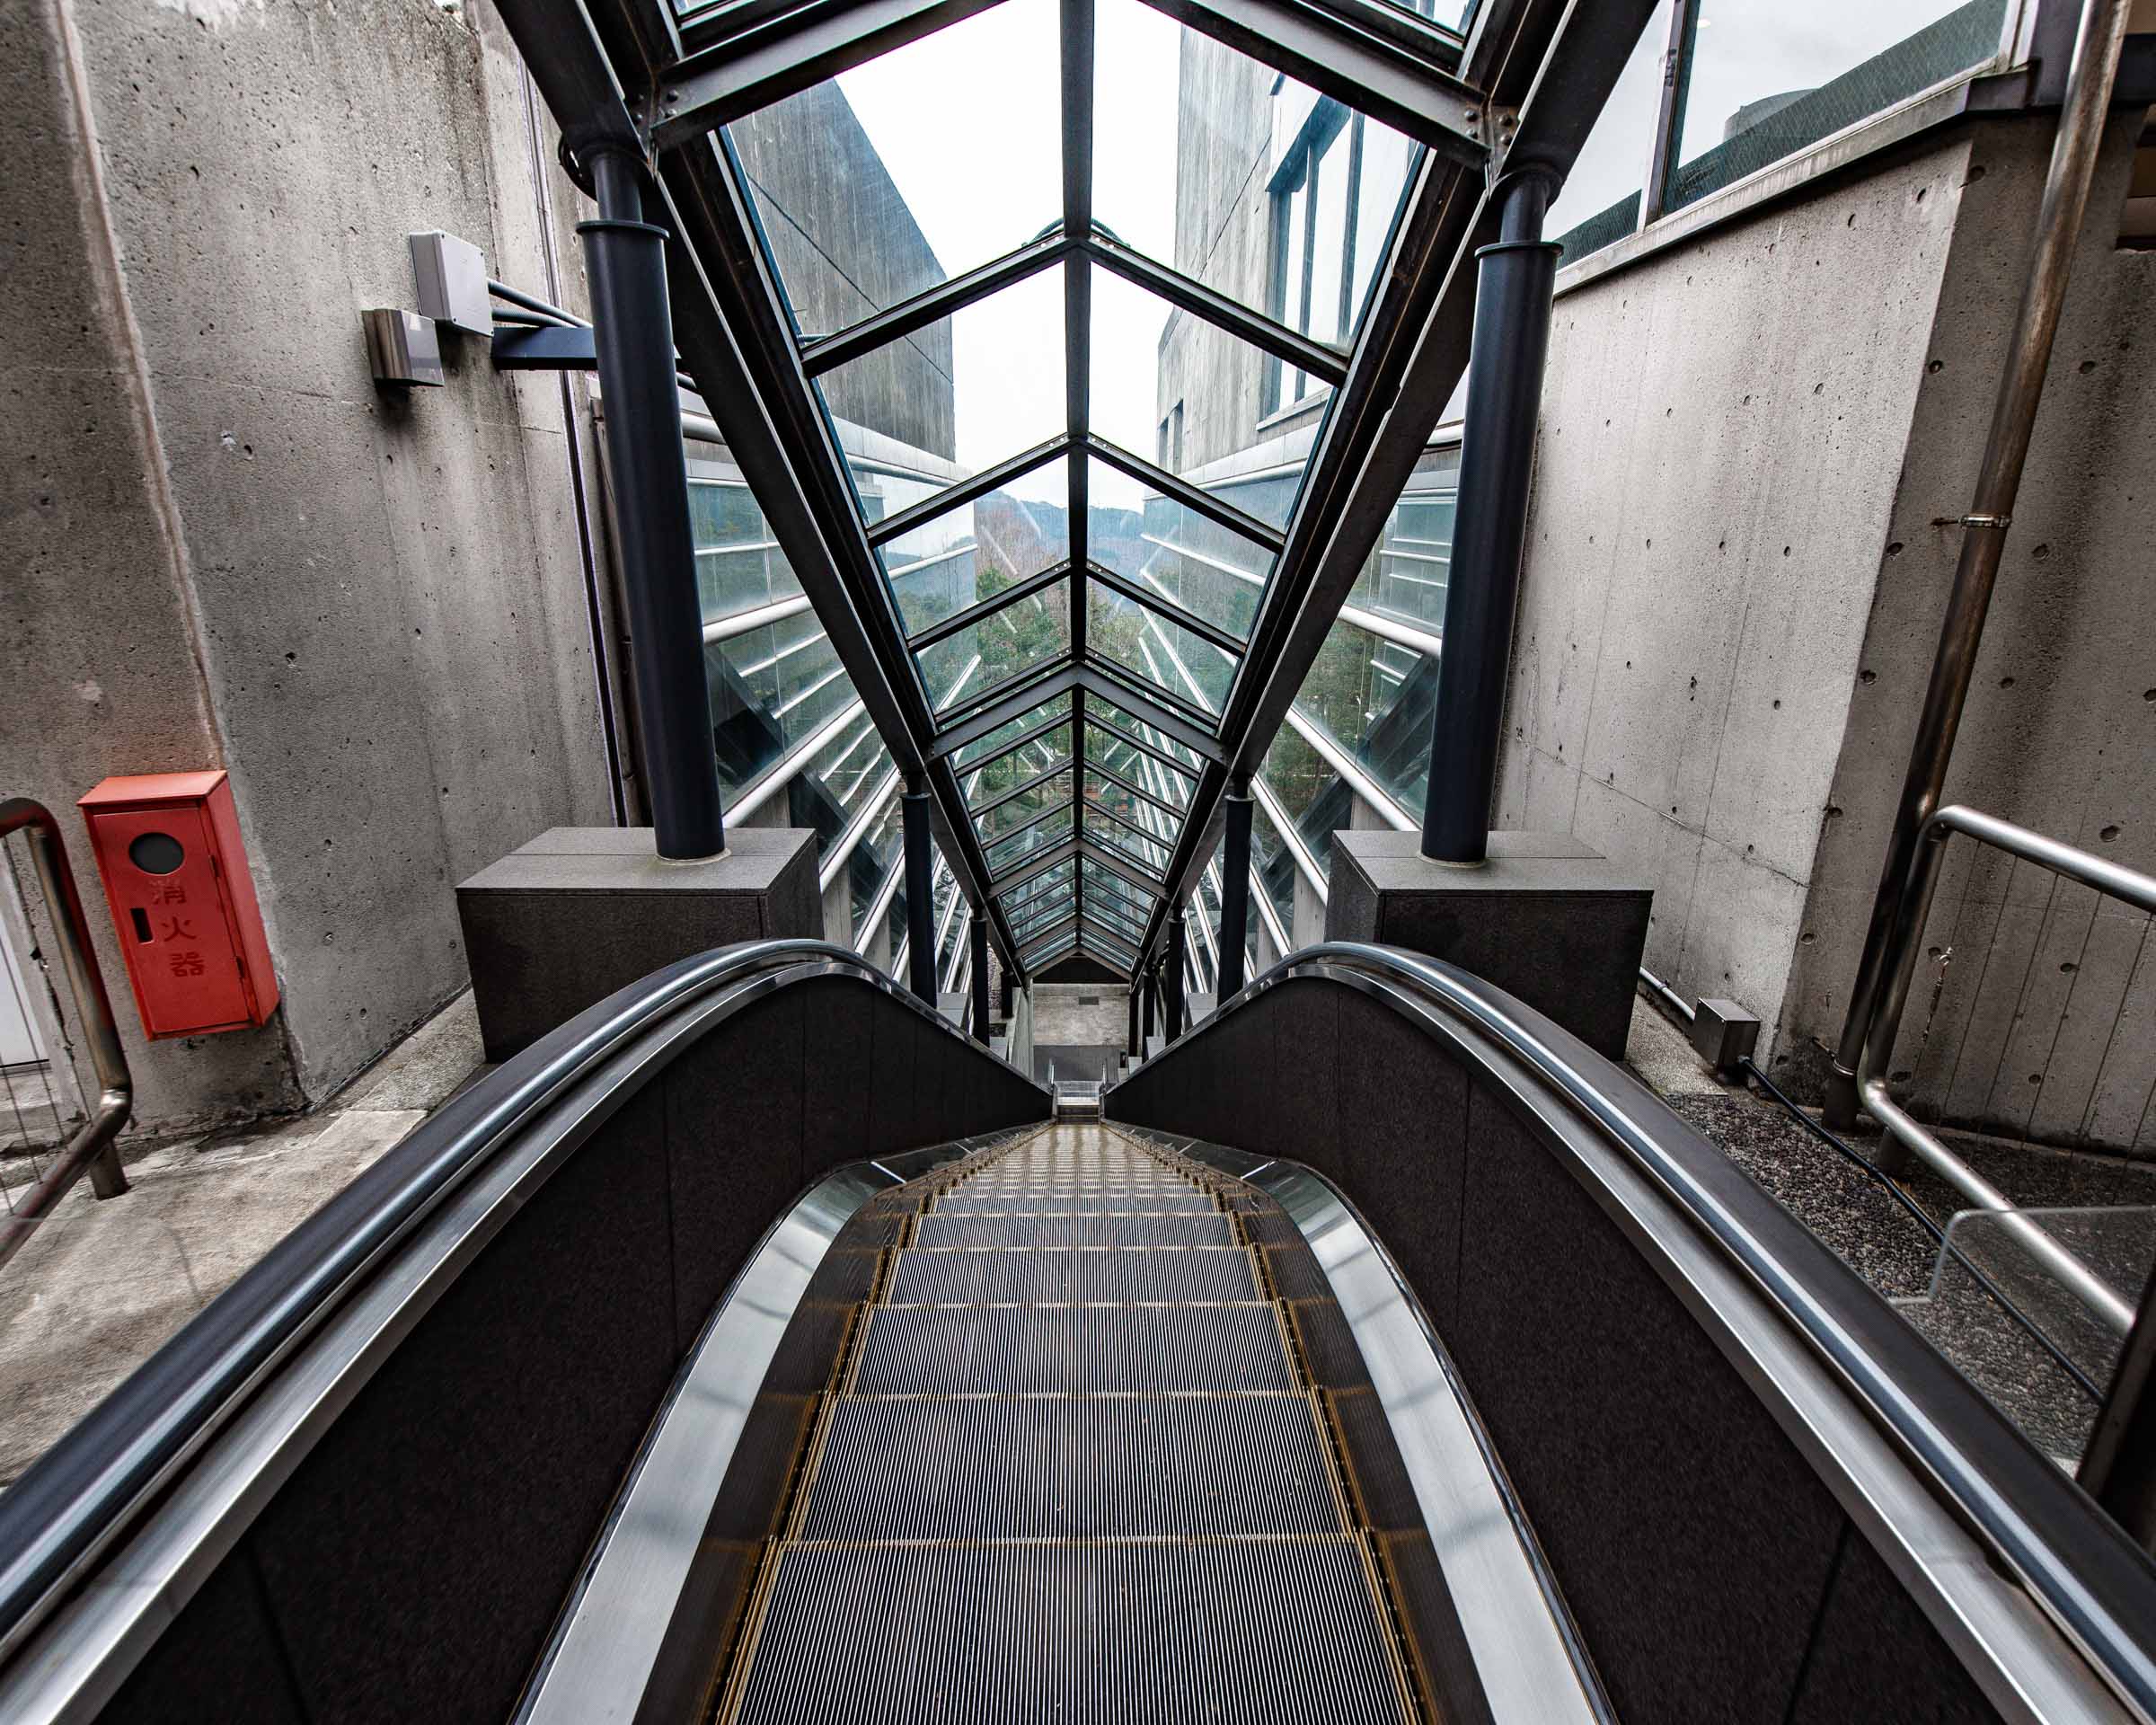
1755, 446
370, 609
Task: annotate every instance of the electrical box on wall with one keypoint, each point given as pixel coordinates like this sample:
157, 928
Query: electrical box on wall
168, 850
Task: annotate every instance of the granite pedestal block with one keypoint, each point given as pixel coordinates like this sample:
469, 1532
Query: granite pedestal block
1547, 919
563, 922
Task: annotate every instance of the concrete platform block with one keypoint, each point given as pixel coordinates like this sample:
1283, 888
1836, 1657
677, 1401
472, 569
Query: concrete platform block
1548, 919
563, 922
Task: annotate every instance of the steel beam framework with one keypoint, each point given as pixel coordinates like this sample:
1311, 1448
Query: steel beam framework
1527, 82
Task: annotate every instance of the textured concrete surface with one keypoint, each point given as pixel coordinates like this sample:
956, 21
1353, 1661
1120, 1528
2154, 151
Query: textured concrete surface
103, 1285
560, 924
1063, 1017
231, 550
1756, 445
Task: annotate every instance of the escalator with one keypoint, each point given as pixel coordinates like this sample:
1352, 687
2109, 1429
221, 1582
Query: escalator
756, 1349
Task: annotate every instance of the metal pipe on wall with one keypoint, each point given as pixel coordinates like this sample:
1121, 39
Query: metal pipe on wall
633, 339
1171, 976
2088, 85
1516, 279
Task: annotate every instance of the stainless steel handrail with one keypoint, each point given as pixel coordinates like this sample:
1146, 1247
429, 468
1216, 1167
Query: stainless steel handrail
57, 1519
2029, 1523
90, 1147
1910, 1134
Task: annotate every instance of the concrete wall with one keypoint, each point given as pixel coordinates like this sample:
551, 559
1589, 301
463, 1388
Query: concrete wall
1752, 446
231, 549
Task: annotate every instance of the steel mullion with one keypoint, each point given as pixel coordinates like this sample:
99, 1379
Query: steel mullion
1076, 40
1037, 864
1020, 899
1058, 722
1109, 839
1169, 609
1031, 946
1159, 691
1112, 943
995, 695
959, 622
1026, 826
1128, 867
1018, 790
1114, 685
1195, 498
1376, 73
1153, 751
722, 80
1029, 928
1232, 315
973, 725
930, 305
966, 491
1139, 791
1105, 915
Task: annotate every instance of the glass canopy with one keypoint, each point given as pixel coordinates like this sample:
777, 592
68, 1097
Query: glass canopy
1073, 367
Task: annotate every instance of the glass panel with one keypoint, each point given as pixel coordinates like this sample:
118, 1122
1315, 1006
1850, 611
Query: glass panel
1005, 854
1108, 943
1406, 575
738, 564
1274, 869
1447, 14
1020, 764
1152, 858
1041, 911
1239, 135
1113, 920
771, 689
1103, 746
1312, 795
1600, 203
1054, 949
1178, 664
1766, 79
1117, 719
1040, 889
1055, 707
979, 549
829, 792
879, 853
970, 390
1035, 798
1183, 391
1022, 636
1377, 700
1153, 540
927, 162
1135, 903
1138, 812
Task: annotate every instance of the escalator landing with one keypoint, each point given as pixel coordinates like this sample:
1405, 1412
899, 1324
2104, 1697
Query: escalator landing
1072, 1467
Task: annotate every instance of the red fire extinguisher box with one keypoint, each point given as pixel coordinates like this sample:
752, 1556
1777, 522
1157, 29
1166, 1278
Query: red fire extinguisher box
168, 849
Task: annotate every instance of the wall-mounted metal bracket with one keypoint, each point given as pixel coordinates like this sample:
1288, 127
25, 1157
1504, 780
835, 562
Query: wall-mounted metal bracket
403, 350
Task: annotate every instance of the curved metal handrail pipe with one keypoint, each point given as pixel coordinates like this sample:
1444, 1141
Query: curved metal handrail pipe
2065, 1553
66, 1510
90, 1147
2105, 876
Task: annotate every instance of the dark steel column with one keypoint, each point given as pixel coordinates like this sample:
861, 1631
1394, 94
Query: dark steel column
977, 930
634, 339
1149, 995
1234, 888
920, 891
1171, 976
1135, 1046
1489, 526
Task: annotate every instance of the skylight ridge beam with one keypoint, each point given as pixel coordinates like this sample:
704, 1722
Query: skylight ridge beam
1108, 684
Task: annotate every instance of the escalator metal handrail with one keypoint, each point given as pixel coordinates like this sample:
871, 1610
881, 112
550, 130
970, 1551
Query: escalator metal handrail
2006, 1494
67, 1507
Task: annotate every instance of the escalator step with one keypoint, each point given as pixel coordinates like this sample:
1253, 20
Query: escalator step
1080, 1274
1179, 1200
941, 1228
1084, 1467
1043, 1350
1258, 1630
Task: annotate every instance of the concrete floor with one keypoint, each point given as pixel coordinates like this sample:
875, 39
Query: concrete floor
102, 1286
